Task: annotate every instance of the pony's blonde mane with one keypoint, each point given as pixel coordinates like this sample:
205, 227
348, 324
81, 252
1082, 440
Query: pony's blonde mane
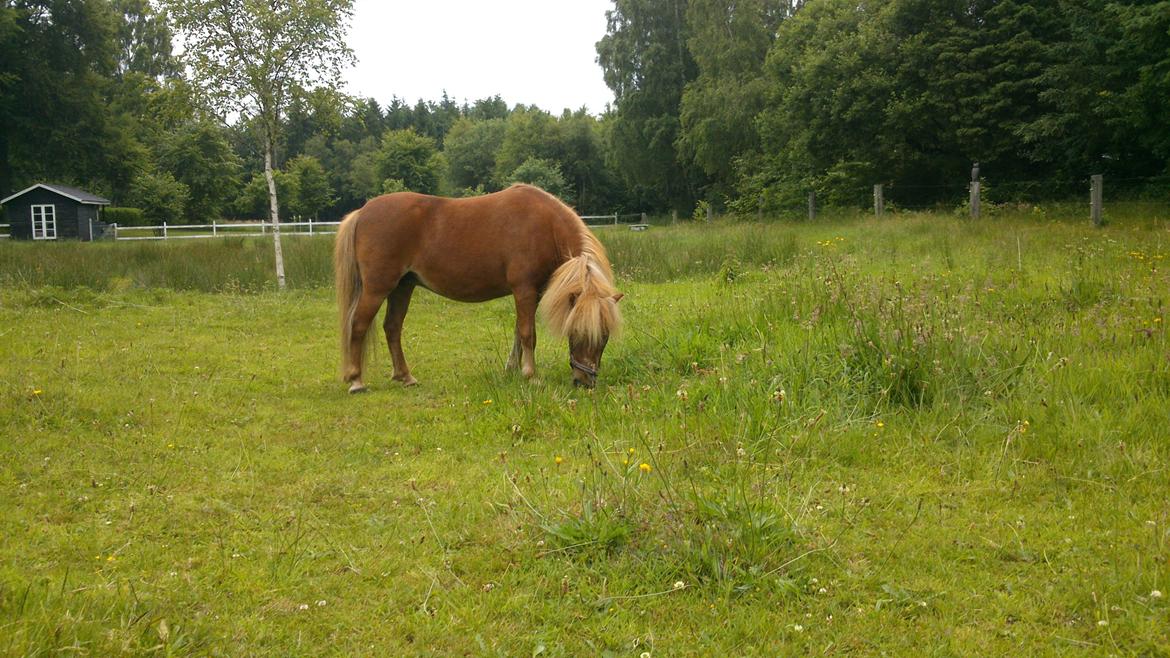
579, 302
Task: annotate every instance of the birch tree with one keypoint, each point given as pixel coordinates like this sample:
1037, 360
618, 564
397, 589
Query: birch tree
249, 55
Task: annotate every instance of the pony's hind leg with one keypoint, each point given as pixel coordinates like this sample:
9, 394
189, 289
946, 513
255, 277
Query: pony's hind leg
399, 304
363, 316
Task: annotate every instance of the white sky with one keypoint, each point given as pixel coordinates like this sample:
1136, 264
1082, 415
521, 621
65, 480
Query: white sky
536, 52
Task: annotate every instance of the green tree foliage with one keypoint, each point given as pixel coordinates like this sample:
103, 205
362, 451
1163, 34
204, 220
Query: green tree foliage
56, 61
729, 40
412, 158
200, 157
544, 174
249, 55
311, 190
471, 148
646, 63
160, 196
144, 40
529, 132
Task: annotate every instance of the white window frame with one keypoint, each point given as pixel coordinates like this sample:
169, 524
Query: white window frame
44, 227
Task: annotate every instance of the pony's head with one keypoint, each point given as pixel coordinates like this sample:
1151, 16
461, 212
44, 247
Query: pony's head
581, 304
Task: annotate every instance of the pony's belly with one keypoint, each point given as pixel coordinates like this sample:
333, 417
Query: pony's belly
463, 289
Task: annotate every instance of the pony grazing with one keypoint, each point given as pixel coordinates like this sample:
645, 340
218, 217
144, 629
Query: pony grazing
521, 241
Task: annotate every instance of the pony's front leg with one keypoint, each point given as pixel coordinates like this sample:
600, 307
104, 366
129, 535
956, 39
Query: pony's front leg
395, 315
526, 301
514, 357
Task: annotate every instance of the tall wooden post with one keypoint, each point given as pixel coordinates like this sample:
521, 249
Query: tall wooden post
674, 216
812, 205
1095, 193
975, 199
879, 203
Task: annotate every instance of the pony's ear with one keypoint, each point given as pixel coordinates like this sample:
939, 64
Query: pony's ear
618, 297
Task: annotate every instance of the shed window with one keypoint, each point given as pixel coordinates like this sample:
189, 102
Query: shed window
44, 222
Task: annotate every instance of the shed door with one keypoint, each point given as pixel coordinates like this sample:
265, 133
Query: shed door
44, 222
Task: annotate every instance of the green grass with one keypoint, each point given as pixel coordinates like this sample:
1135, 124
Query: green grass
919, 436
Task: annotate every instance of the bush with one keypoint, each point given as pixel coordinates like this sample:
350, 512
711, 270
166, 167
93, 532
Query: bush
124, 216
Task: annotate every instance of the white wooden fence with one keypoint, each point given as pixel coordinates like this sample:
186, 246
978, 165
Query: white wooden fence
7, 231
220, 230
639, 223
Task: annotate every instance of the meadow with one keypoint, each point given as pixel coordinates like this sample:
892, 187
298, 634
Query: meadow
919, 435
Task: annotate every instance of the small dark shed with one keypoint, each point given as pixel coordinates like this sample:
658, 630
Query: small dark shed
49, 212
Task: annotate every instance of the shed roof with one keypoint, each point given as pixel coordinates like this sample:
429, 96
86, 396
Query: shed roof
78, 195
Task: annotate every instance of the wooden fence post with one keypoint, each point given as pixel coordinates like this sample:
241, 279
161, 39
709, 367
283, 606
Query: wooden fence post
164, 230
674, 216
879, 203
708, 213
812, 205
975, 200
1097, 182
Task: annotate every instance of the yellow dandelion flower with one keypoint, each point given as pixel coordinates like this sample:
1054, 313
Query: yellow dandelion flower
487, 401
631, 451
880, 424
644, 467
37, 391
559, 460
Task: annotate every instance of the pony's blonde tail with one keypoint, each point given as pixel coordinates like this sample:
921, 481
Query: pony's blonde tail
348, 283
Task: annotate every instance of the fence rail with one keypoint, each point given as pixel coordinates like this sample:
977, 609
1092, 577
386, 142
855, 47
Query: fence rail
7, 231
218, 230
639, 220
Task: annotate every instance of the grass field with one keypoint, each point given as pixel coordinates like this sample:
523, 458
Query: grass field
918, 436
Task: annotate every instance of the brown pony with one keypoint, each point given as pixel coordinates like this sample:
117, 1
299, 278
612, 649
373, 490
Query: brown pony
522, 241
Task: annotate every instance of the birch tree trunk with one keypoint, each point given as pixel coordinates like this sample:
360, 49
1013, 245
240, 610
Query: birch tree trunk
273, 207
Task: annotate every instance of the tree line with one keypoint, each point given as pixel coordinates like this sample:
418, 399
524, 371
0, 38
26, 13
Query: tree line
741, 104
92, 94
754, 103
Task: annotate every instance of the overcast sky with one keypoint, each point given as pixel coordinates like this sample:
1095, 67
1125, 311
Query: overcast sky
536, 52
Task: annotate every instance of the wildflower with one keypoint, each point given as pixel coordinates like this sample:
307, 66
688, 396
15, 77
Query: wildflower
559, 460
1102, 622
678, 584
111, 558
644, 467
741, 452
645, 654
1156, 594
487, 402
880, 424
778, 395
798, 628
681, 393
303, 606
631, 451
37, 391
321, 603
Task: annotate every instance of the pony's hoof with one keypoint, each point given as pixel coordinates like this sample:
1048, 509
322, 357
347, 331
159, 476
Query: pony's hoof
408, 381
357, 387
